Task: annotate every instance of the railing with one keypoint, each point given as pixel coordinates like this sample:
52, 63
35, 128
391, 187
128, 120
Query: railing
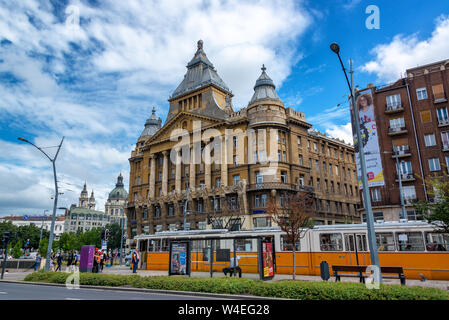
401, 150
396, 129
394, 107
406, 176
443, 122
445, 147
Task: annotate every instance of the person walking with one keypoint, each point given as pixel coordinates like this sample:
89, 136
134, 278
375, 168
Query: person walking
95, 267
69, 259
135, 260
102, 257
112, 259
59, 261
37, 263
77, 258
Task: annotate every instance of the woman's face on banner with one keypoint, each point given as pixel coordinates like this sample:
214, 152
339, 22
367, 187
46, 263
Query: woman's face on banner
363, 102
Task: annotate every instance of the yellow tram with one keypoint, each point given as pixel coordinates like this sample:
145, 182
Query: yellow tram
413, 245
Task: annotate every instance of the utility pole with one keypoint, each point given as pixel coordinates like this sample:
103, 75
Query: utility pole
55, 204
122, 224
185, 208
366, 196
42, 226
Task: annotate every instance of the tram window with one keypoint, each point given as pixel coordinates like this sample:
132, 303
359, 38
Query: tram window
361, 242
410, 241
331, 242
349, 242
288, 246
243, 245
437, 241
385, 241
151, 245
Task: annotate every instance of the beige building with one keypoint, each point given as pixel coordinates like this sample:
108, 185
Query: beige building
116, 203
226, 164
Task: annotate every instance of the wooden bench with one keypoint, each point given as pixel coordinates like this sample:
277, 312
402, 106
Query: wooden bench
360, 272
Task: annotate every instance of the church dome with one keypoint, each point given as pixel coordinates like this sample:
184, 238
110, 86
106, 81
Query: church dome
264, 88
119, 192
152, 125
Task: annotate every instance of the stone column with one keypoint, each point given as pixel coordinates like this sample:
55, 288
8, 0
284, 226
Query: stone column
178, 171
224, 162
192, 170
207, 170
152, 175
165, 174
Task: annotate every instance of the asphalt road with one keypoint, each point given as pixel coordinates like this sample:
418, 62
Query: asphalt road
17, 291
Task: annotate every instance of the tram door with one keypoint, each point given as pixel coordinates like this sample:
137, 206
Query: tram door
356, 247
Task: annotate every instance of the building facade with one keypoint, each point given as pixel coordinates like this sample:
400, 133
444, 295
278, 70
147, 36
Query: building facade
42, 222
226, 164
84, 217
413, 123
116, 203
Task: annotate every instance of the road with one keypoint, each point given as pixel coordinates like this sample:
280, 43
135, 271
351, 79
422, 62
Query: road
18, 291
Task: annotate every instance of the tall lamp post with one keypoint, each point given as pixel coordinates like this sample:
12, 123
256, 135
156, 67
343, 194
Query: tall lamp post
366, 196
53, 161
42, 226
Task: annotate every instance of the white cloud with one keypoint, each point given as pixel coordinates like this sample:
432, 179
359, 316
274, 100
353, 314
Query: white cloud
342, 132
392, 59
96, 84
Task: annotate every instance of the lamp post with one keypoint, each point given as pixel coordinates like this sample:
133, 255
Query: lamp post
42, 226
53, 161
366, 196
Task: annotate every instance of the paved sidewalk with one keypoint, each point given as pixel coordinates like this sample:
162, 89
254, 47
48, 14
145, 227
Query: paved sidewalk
123, 270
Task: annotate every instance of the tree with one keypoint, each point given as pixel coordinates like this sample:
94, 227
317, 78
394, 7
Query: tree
436, 211
115, 234
293, 217
17, 249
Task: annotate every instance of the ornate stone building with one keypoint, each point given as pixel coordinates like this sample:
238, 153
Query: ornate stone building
115, 205
225, 164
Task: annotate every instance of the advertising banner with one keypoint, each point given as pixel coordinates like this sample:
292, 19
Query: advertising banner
179, 258
370, 140
268, 270
87, 258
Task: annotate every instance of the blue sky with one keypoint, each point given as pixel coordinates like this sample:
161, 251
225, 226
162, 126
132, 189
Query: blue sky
92, 71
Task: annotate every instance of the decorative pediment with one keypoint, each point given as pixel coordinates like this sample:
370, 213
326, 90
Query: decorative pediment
182, 121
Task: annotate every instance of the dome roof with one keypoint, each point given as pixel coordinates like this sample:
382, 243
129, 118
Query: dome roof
119, 192
152, 125
264, 88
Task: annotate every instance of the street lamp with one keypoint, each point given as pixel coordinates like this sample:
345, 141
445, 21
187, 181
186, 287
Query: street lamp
42, 226
366, 196
53, 161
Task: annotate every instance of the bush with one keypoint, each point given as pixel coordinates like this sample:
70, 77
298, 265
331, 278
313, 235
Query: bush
303, 290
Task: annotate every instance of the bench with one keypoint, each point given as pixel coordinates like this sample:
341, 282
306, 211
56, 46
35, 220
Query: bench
230, 270
360, 272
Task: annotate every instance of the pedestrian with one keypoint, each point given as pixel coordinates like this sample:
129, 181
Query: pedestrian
135, 260
69, 259
102, 256
112, 259
59, 260
77, 258
95, 266
37, 263
52, 262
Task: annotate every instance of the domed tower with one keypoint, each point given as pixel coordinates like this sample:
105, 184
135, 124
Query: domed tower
91, 204
152, 125
84, 198
116, 202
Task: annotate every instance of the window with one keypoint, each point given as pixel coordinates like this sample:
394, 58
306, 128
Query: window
299, 140
360, 240
330, 168
236, 160
300, 160
236, 179
263, 200
430, 140
284, 156
397, 123
199, 207
288, 245
438, 92
437, 241
434, 164
409, 193
202, 225
379, 215
331, 242
261, 222
235, 141
315, 147
375, 195
218, 182
410, 241
405, 167
425, 116
283, 176
421, 93
259, 177
336, 170
385, 241
317, 165
170, 210
411, 215
262, 157
243, 245
283, 198
445, 139
393, 101
256, 201
442, 116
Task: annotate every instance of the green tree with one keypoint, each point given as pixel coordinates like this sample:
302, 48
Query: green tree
17, 250
115, 234
437, 210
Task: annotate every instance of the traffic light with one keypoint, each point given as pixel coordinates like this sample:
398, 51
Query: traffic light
103, 234
106, 234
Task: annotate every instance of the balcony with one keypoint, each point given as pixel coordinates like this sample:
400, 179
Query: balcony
394, 108
405, 177
278, 186
439, 98
443, 122
402, 152
393, 131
